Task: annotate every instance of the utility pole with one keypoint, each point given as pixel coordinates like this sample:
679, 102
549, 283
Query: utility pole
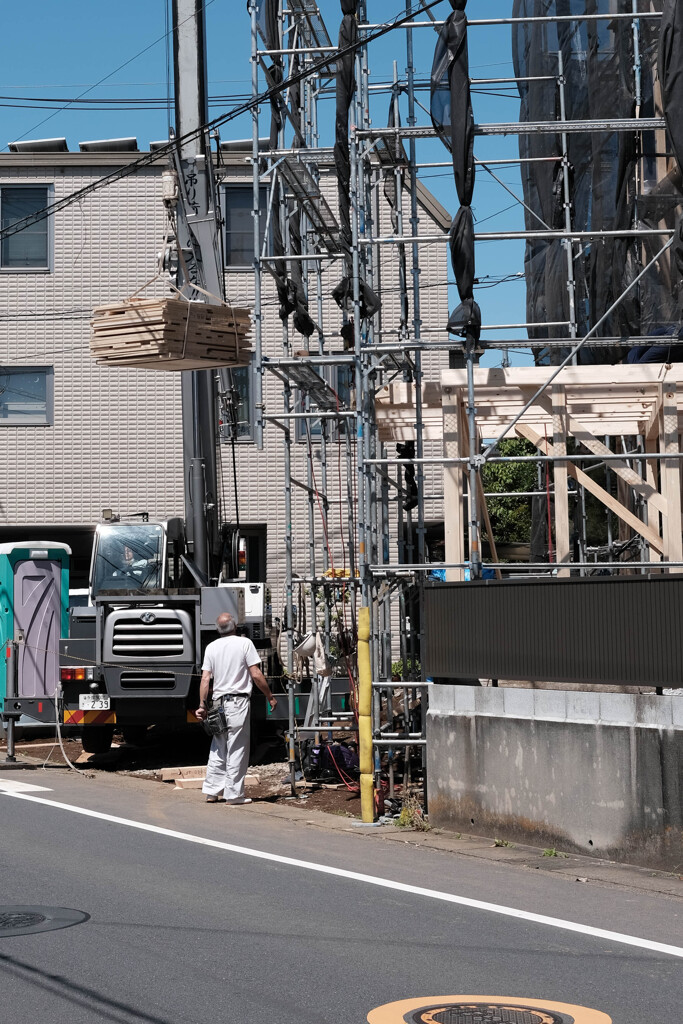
200, 265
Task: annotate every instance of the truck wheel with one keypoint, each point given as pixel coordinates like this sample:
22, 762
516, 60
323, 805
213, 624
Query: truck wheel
134, 735
96, 739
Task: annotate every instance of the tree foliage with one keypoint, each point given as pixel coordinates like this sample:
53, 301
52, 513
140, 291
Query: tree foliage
511, 517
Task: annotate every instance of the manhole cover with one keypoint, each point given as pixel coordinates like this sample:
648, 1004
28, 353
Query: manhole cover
487, 1013
14, 919
29, 920
479, 1009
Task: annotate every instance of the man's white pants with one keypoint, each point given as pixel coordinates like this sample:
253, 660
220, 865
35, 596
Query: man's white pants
229, 754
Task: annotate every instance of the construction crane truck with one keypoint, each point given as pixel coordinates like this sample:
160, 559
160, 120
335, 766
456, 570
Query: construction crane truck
133, 655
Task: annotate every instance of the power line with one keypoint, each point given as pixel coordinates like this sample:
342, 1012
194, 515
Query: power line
238, 111
104, 79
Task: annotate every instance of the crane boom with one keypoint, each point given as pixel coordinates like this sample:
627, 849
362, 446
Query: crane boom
198, 226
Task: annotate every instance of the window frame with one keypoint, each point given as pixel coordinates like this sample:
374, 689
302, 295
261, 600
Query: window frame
49, 229
248, 437
33, 421
330, 374
243, 186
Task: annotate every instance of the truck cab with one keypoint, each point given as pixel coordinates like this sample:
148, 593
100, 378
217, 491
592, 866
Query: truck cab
133, 655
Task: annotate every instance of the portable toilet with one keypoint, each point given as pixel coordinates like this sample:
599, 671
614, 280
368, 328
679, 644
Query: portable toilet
34, 612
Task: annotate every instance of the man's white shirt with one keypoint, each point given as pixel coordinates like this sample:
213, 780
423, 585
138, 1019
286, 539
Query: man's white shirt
229, 659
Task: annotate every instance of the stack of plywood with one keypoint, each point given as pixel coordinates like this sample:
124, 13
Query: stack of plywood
170, 334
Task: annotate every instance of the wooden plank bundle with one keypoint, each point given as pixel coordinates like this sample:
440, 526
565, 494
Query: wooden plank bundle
170, 334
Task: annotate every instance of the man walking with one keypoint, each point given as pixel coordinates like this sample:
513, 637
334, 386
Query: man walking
233, 663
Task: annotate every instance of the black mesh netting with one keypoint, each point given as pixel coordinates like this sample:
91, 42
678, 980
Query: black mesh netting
345, 89
618, 179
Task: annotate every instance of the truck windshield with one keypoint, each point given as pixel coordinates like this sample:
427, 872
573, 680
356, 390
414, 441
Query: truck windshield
127, 557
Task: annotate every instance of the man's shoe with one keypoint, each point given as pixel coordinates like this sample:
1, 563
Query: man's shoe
240, 800
212, 799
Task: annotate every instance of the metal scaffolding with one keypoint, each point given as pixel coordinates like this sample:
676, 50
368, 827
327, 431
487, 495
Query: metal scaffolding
356, 497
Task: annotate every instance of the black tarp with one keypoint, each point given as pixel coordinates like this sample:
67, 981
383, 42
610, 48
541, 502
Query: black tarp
267, 20
394, 176
451, 105
617, 179
671, 73
291, 292
453, 120
671, 77
345, 90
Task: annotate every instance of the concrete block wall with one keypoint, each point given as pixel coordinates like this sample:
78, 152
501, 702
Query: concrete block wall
596, 773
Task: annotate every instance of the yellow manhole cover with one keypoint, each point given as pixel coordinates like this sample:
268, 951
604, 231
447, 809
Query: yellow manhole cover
484, 1010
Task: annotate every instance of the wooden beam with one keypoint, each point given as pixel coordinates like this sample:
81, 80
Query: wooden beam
634, 375
454, 533
559, 411
482, 499
670, 472
587, 481
651, 428
582, 434
651, 470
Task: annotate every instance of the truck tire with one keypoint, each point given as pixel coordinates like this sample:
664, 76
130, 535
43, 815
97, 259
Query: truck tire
134, 735
96, 739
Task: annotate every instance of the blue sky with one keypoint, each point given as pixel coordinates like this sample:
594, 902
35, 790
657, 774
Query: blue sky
89, 51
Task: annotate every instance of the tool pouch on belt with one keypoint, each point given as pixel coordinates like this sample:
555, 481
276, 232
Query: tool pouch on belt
215, 722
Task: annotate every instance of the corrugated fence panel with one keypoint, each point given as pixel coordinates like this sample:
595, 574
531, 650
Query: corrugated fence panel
622, 630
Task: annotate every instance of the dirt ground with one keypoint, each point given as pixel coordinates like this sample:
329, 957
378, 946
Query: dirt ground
268, 782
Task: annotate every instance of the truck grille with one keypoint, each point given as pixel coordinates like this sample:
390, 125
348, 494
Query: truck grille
168, 636
147, 681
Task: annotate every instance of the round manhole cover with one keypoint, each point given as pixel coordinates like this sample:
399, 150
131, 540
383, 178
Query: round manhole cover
479, 1009
487, 1013
16, 921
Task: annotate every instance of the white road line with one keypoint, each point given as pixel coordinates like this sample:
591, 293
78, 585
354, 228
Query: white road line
357, 876
11, 786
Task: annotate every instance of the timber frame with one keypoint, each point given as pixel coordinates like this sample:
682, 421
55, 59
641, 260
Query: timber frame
587, 403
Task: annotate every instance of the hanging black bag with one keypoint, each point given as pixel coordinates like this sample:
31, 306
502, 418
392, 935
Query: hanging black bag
215, 722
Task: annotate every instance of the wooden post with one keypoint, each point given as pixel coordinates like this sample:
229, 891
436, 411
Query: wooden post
653, 517
670, 473
483, 507
452, 483
562, 552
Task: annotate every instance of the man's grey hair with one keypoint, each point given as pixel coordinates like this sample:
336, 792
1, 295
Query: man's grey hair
225, 624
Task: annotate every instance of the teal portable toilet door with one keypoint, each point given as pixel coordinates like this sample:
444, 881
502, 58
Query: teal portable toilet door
37, 614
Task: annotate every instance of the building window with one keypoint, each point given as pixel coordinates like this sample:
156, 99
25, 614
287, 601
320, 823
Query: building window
340, 379
239, 224
28, 249
26, 396
243, 381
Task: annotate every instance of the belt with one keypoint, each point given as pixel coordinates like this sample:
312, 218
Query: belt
230, 696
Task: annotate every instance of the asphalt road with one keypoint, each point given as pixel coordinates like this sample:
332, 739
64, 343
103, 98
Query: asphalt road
180, 932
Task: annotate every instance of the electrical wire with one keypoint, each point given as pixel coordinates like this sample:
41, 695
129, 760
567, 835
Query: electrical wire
115, 104
105, 78
351, 784
243, 108
58, 698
